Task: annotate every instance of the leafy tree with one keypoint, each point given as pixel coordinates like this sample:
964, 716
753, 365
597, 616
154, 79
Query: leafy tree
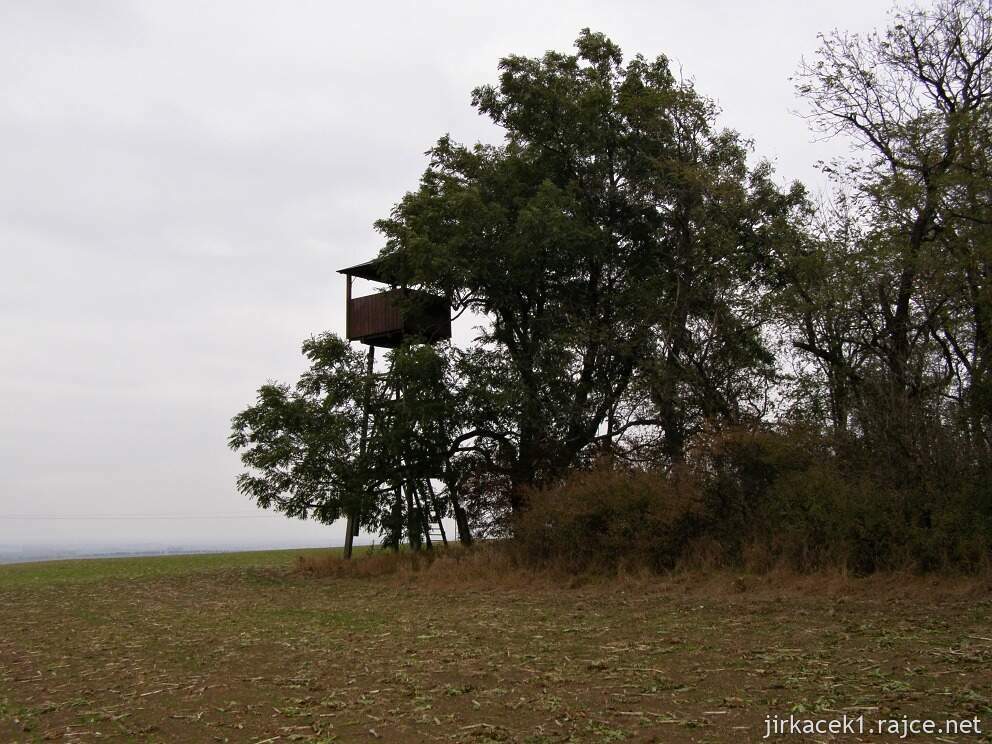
303, 450
915, 101
645, 296
416, 423
301, 445
610, 245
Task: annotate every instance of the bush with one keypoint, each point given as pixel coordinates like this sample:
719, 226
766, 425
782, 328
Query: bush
798, 498
604, 518
789, 498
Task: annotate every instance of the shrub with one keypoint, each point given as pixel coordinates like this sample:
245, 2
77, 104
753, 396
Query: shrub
761, 499
604, 518
798, 498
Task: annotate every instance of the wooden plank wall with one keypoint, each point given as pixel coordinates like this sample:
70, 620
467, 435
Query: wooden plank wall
374, 315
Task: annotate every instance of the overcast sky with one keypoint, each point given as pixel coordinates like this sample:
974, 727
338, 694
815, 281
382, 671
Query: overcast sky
181, 180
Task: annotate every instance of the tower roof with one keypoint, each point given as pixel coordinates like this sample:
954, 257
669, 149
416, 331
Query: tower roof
371, 270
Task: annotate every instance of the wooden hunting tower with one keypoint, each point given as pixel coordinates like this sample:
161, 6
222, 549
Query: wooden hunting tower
389, 317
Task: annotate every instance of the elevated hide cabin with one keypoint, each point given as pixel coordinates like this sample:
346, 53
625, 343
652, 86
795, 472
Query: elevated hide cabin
389, 317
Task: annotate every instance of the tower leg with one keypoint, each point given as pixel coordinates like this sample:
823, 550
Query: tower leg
461, 519
424, 523
437, 511
414, 529
349, 536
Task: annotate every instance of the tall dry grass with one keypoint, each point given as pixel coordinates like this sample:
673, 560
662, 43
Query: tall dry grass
497, 566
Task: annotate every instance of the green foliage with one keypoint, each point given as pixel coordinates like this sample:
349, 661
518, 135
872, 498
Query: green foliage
300, 444
899, 320
647, 296
760, 500
343, 442
610, 244
811, 501
606, 517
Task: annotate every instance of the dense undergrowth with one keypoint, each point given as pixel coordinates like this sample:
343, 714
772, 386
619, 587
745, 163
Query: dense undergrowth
763, 499
752, 501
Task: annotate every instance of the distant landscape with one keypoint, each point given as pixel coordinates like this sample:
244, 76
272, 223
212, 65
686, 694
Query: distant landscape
15, 554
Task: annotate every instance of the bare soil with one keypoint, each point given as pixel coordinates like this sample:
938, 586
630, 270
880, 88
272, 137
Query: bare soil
262, 653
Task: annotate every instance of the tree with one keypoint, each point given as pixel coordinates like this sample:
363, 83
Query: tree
640, 285
610, 244
304, 452
915, 100
417, 421
301, 445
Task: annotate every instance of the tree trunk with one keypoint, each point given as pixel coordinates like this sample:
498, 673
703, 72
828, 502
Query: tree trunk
461, 519
413, 528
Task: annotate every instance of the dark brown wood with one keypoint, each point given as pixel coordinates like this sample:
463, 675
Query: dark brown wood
347, 303
422, 513
371, 270
374, 315
386, 318
437, 511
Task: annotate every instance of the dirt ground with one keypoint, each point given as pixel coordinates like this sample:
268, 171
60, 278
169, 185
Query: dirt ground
258, 653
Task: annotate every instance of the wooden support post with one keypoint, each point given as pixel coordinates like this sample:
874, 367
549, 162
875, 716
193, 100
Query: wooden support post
424, 524
396, 521
437, 511
347, 309
349, 536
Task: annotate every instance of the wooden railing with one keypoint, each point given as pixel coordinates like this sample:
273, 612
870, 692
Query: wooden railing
375, 315
386, 318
